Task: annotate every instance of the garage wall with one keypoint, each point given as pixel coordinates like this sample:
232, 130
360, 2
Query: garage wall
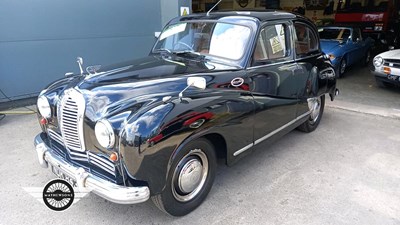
40, 39
290, 4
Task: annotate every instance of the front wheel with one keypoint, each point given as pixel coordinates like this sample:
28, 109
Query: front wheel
316, 106
342, 67
189, 180
367, 57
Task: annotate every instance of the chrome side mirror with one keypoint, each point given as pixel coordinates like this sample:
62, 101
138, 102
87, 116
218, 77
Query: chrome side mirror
198, 82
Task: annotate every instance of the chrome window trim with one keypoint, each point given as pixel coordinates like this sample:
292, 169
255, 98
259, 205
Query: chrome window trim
271, 64
270, 134
288, 37
318, 51
307, 57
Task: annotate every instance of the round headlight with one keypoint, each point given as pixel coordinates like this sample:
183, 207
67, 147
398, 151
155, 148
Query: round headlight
378, 61
104, 134
44, 107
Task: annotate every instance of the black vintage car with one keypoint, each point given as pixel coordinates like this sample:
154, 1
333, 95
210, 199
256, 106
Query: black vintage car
212, 87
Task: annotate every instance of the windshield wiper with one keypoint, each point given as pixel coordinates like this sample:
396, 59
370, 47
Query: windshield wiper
204, 58
189, 53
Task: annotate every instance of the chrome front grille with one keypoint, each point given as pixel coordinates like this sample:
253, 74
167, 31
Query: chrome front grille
69, 122
395, 63
101, 162
71, 110
81, 156
94, 159
97, 160
55, 136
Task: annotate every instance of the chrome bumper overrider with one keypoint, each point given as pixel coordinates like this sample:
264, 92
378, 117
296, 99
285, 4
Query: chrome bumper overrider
87, 181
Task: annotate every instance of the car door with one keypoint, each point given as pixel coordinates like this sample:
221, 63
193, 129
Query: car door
273, 84
307, 56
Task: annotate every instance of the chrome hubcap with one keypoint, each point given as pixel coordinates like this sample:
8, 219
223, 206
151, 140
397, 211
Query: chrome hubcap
190, 175
314, 104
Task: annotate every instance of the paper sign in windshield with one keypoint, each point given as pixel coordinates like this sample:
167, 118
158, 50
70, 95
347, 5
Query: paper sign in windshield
275, 44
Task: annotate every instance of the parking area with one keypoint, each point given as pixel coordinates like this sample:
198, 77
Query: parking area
346, 172
360, 93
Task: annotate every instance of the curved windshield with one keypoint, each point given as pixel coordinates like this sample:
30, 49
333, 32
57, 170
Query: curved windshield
212, 38
340, 34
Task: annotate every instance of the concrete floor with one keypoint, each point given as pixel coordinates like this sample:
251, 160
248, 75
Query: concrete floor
346, 172
360, 93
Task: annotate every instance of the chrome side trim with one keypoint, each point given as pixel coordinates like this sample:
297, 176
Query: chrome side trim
87, 181
270, 134
243, 149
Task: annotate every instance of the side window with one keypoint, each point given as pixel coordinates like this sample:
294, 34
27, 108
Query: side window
271, 44
306, 41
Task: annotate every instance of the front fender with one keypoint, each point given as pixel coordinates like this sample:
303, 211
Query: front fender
149, 140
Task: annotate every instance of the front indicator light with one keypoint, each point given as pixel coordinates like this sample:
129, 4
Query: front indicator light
330, 56
43, 121
387, 70
114, 157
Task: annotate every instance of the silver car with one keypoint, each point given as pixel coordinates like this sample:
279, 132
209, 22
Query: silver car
387, 68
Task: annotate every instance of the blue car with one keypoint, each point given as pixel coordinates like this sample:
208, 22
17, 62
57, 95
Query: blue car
345, 46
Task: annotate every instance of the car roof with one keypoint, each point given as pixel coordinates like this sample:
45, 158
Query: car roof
264, 15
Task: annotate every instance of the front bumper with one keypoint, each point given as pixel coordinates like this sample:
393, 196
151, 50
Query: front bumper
89, 182
379, 75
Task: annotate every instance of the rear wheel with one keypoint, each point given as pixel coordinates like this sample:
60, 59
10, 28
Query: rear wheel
316, 106
190, 179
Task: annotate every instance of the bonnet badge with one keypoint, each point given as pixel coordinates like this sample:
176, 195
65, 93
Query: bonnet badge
237, 82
